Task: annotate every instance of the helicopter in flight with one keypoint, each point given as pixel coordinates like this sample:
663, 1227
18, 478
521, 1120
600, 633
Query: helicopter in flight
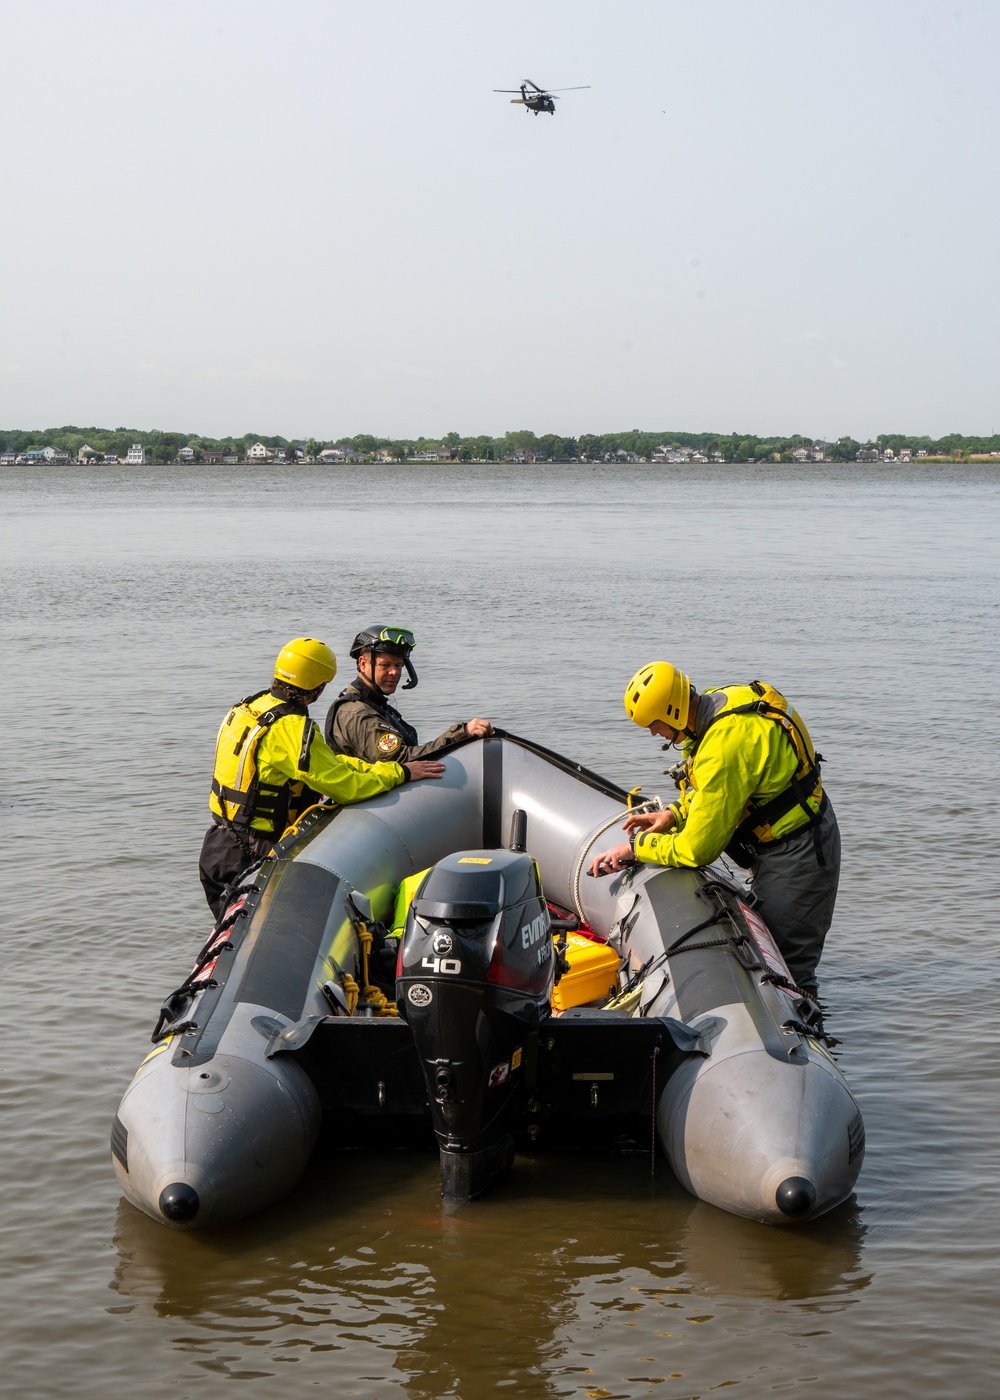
538, 100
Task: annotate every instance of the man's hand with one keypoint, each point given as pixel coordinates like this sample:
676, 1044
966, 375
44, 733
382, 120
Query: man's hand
424, 768
478, 728
650, 821
615, 859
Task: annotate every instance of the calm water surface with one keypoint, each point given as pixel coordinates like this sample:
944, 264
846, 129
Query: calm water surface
137, 608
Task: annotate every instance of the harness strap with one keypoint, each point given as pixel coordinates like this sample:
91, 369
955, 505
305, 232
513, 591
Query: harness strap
308, 731
800, 788
229, 793
795, 795
257, 800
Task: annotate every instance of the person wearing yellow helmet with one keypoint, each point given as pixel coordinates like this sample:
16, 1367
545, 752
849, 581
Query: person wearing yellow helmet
271, 763
362, 723
750, 786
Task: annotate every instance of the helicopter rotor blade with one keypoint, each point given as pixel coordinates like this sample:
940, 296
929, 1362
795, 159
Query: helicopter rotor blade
572, 89
534, 85
506, 89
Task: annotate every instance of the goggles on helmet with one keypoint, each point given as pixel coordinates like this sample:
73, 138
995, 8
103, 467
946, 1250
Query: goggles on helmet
396, 637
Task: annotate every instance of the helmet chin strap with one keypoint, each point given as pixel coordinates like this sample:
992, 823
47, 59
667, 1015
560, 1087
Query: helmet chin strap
370, 678
691, 728
409, 684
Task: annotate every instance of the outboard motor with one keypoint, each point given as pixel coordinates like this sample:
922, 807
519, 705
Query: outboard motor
476, 972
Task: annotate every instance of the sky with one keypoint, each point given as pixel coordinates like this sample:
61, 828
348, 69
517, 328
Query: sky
315, 219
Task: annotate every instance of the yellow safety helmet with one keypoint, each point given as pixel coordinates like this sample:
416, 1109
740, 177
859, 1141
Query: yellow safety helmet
305, 663
658, 691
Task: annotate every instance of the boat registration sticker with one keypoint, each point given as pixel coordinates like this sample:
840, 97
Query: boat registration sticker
420, 995
475, 860
765, 941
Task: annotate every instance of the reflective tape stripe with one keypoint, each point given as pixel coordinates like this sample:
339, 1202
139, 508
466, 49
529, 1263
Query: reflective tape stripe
247, 751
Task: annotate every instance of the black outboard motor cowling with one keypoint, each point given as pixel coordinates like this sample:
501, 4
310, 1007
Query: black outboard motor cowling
476, 976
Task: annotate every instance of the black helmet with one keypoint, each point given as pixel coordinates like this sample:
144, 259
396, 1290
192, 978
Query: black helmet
396, 640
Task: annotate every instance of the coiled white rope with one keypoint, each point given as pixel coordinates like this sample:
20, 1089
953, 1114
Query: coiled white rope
651, 804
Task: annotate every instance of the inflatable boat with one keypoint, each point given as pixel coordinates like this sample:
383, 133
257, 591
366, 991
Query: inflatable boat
529, 1008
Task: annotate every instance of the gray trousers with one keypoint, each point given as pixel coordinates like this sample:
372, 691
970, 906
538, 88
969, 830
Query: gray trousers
796, 895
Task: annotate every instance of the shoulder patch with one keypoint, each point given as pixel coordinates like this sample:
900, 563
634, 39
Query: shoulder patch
387, 742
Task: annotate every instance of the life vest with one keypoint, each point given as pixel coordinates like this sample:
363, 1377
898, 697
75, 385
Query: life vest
238, 796
805, 790
359, 693
405, 896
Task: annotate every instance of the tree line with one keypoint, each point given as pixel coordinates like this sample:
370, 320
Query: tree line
551, 447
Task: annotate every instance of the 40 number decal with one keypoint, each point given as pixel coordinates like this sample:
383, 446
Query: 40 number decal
446, 965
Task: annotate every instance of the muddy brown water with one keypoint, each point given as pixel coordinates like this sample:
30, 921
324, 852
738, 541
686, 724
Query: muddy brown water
137, 607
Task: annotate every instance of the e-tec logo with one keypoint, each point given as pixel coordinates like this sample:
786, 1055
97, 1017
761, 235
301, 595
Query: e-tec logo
531, 933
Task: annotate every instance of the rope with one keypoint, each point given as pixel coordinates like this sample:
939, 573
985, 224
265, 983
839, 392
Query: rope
637, 980
657, 960
351, 991
373, 996
812, 1032
716, 918
377, 999
785, 983
712, 943
293, 829
653, 804
644, 1009
219, 941
625, 1000
236, 888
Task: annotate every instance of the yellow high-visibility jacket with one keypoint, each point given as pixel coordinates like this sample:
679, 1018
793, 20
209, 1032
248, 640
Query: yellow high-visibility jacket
739, 763
271, 762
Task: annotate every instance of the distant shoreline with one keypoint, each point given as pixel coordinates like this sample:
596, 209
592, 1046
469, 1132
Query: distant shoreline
96, 468
138, 447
